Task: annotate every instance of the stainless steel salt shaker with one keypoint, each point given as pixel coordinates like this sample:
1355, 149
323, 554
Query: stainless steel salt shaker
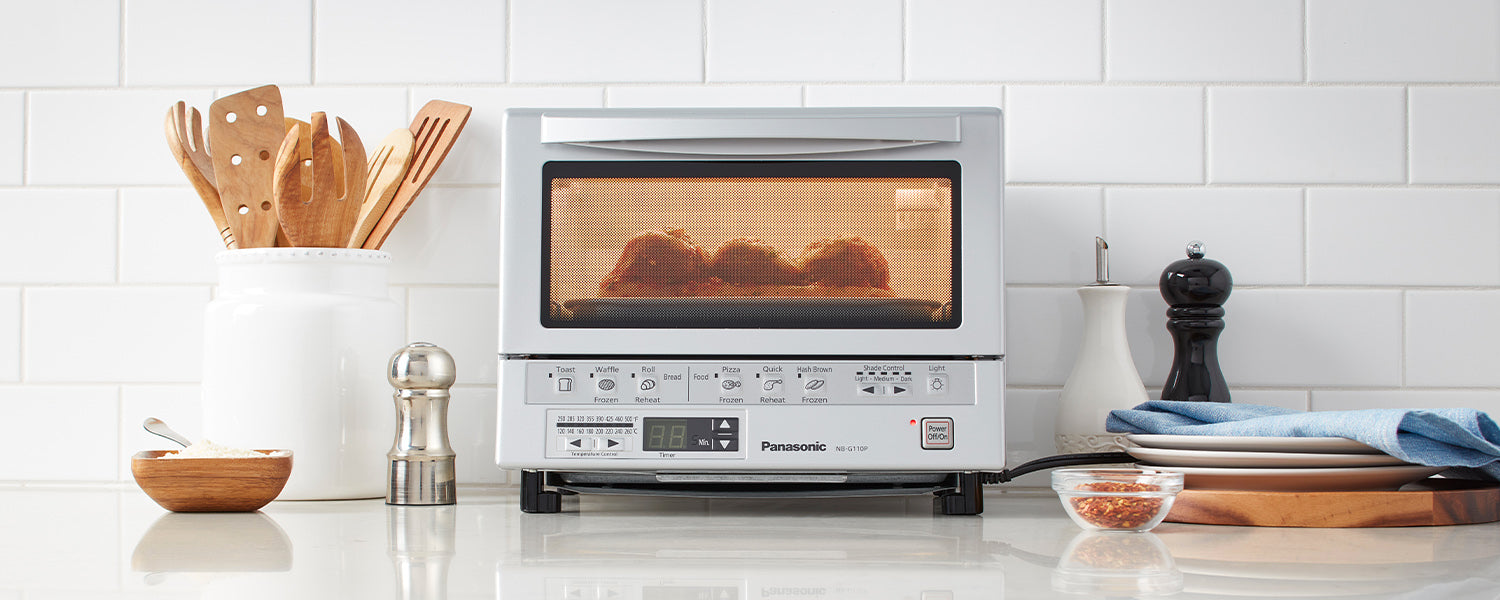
421, 470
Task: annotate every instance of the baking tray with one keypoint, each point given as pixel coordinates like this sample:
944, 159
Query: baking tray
756, 312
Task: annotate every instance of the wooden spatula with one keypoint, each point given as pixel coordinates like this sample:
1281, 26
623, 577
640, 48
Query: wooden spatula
304, 152
185, 139
322, 218
435, 128
245, 130
387, 168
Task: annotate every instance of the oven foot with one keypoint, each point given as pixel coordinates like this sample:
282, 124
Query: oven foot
967, 499
534, 497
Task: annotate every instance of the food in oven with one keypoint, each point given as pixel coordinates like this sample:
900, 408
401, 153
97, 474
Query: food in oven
666, 264
847, 261
751, 261
661, 257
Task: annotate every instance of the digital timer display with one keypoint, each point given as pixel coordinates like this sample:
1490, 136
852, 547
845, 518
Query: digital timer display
690, 434
665, 434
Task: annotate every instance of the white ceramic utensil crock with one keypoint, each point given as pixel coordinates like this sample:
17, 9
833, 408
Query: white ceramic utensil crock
295, 351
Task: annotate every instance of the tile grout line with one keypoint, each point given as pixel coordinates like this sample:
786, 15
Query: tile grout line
312, 43
120, 68
703, 45
1306, 43
1103, 41
510, 37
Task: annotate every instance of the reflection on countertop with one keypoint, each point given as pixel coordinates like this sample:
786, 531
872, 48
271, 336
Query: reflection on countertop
117, 543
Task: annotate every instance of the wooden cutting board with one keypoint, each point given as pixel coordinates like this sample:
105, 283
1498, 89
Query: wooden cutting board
1425, 503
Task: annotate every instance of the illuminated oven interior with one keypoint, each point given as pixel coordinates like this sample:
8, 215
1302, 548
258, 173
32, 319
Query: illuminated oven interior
748, 251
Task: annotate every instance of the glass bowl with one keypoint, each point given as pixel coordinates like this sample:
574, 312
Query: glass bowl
1116, 499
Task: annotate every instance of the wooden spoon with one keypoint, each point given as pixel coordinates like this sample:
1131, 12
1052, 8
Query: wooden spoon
435, 129
185, 139
387, 168
322, 218
244, 130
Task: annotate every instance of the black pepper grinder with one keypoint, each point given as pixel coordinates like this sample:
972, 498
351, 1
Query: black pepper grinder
1195, 288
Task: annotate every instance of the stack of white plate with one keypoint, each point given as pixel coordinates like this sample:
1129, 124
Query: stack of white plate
1282, 464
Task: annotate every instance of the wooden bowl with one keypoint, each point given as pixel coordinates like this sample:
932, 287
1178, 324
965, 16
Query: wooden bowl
211, 484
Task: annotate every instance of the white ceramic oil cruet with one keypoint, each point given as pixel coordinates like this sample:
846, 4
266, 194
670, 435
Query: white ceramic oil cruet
1104, 377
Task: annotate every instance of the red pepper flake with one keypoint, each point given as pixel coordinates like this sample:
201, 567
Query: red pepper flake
1117, 512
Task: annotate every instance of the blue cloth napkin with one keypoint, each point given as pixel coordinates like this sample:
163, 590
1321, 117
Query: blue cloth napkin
1447, 437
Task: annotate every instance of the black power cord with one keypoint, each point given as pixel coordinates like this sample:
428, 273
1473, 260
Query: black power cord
1053, 462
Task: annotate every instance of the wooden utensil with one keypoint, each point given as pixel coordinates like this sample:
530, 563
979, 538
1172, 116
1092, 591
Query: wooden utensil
304, 152
322, 218
435, 128
387, 168
244, 130
185, 140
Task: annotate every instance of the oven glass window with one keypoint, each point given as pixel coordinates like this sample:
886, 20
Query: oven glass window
727, 244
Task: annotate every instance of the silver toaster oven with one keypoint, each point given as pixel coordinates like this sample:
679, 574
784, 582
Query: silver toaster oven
751, 302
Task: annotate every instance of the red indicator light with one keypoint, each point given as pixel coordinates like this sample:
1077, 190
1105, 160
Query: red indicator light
913, 421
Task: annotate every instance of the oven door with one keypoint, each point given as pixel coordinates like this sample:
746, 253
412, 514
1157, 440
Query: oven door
784, 232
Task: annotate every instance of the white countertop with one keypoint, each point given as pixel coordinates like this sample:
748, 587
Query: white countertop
60, 542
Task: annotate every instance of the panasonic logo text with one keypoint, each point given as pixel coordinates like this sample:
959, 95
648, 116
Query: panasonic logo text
813, 447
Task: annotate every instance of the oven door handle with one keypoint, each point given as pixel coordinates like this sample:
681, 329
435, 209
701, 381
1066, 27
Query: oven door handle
749, 136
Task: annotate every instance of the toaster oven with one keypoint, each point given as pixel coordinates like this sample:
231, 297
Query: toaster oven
751, 302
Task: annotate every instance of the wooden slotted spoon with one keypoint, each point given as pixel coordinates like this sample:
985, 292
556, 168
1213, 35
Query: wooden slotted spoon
435, 128
322, 218
244, 131
387, 168
185, 139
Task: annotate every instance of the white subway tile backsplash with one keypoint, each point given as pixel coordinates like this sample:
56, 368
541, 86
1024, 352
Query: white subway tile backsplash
449, 236
1256, 233
104, 137
180, 406
61, 43
465, 322
1450, 338
167, 237
1049, 234
1030, 419
1455, 135
1306, 135
475, 157
1205, 40
84, 446
1295, 400
904, 95
12, 137
471, 432
1104, 134
114, 334
186, 42
10, 331
1402, 40
58, 236
601, 40
374, 41
1043, 326
1003, 40
804, 40
1485, 400
1311, 337
698, 96
1403, 237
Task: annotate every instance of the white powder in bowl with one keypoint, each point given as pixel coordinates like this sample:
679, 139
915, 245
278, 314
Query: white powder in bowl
208, 449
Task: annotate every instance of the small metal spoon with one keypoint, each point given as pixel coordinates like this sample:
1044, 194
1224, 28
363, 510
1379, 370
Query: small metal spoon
156, 426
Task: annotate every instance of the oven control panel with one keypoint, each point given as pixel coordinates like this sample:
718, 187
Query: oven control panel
721, 384
654, 434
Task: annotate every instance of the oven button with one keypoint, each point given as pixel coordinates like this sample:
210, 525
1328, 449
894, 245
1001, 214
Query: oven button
871, 389
646, 384
814, 385
729, 385
614, 444
900, 389
937, 433
937, 385
572, 443
564, 385
606, 385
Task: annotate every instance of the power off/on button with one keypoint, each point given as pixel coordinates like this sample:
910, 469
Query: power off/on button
937, 433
